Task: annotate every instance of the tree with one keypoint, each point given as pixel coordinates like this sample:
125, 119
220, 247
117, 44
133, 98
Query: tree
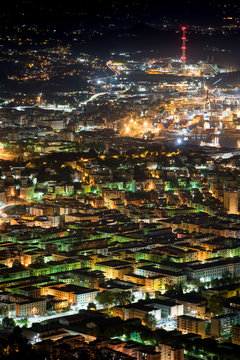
216, 282
111, 163
40, 260
3, 309
15, 346
123, 297
49, 305
227, 275
150, 320
215, 304
17, 265
157, 294
196, 283
105, 298
147, 337
173, 290
208, 328
91, 306
109, 298
8, 322
147, 296
127, 333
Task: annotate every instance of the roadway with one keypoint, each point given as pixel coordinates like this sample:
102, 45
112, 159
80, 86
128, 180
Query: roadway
99, 80
40, 318
75, 309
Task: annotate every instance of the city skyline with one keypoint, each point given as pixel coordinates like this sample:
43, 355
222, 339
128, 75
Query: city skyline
120, 180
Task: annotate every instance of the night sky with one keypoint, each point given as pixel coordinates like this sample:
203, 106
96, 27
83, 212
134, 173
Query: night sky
197, 11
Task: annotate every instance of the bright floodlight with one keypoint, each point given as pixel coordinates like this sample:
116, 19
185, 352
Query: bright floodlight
179, 141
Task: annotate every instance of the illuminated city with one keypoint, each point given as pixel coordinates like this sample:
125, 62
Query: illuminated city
120, 180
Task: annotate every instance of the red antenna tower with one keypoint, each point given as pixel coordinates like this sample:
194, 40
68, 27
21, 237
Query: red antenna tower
184, 39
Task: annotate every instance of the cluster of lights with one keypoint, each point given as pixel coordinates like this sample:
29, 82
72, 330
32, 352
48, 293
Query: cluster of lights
183, 57
135, 127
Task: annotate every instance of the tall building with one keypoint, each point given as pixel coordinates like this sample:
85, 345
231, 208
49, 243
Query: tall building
171, 352
183, 57
189, 324
231, 201
222, 324
236, 334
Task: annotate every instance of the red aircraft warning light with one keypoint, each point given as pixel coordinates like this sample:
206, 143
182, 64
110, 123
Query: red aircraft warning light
184, 48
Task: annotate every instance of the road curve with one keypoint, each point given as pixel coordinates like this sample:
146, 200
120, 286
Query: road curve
116, 74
